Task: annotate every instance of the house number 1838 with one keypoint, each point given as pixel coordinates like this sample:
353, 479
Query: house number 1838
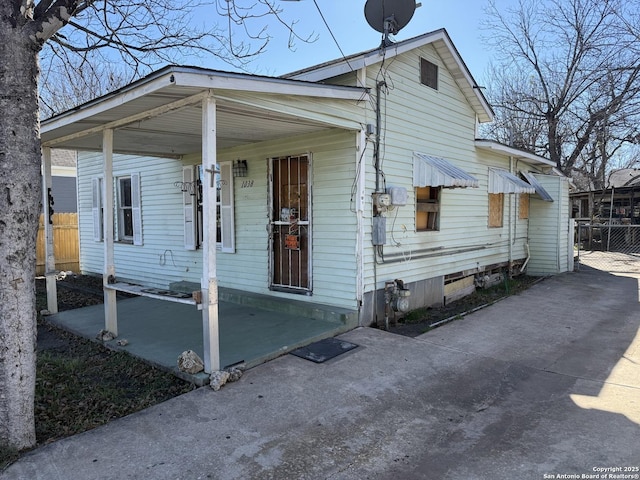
247, 184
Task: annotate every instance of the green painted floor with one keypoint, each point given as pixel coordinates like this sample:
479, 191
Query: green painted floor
159, 331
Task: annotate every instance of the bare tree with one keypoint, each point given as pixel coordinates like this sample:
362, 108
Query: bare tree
569, 82
67, 85
140, 35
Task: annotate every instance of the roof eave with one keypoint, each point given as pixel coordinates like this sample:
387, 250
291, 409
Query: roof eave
176, 76
527, 157
455, 63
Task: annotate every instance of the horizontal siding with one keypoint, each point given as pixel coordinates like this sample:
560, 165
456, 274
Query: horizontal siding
333, 250
441, 123
162, 258
549, 229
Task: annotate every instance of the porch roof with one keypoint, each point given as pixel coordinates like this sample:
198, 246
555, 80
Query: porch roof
161, 114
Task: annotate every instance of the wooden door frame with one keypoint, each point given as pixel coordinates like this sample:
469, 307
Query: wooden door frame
280, 288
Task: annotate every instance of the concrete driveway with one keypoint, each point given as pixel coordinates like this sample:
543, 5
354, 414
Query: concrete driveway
545, 384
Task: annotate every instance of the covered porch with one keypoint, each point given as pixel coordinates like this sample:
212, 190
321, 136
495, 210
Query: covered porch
172, 113
252, 332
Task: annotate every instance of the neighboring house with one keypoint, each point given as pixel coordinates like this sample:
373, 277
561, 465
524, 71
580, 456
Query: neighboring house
618, 203
331, 183
63, 180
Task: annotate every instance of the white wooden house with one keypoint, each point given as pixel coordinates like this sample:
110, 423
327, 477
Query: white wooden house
323, 186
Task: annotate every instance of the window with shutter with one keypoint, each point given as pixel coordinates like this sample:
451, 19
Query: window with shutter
129, 211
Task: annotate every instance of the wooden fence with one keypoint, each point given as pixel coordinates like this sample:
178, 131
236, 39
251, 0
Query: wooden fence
66, 245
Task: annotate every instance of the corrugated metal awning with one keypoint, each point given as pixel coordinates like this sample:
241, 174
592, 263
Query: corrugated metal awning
540, 191
430, 171
502, 181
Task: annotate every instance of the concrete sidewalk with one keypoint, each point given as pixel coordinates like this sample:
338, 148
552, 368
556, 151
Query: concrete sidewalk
542, 384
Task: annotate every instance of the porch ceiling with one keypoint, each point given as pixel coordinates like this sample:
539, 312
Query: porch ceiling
162, 115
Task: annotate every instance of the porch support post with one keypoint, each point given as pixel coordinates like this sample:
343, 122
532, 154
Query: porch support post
50, 259
209, 283
109, 275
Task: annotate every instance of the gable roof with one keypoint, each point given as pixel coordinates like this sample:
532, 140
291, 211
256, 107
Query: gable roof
441, 42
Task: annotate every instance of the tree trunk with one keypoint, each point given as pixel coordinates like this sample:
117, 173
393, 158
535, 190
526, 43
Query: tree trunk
20, 206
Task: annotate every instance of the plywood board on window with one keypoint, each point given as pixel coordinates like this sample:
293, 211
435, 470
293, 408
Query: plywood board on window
523, 208
496, 209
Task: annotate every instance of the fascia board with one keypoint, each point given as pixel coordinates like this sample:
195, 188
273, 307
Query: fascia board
514, 152
106, 103
226, 81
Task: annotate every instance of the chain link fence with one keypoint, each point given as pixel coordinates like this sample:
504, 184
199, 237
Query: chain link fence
614, 248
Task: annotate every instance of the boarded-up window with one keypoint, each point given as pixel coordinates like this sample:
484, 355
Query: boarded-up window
496, 207
523, 207
427, 208
428, 74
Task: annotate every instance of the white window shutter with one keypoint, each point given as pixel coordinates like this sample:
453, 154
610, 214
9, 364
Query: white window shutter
189, 207
96, 208
226, 208
136, 209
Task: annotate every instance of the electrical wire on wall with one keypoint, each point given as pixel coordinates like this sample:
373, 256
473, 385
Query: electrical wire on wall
354, 185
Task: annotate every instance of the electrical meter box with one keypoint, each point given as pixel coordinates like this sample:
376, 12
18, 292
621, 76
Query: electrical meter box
382, 200
398, 196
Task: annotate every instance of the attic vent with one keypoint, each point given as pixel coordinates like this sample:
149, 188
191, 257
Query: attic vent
428, 74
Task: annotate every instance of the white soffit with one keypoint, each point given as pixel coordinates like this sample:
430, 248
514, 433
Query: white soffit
502, 181
430, 171
540, 191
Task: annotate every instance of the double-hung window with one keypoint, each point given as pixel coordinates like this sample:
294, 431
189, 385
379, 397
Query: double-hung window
127, 209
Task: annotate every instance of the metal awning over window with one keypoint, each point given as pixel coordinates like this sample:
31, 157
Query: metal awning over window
502, 181
430, 171
540, 191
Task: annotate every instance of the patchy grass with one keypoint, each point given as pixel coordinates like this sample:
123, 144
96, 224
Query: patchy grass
422, 320
80, 384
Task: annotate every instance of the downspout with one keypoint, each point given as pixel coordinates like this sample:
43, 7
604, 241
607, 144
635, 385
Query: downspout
524, 265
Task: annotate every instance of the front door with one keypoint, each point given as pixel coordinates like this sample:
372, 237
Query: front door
290, 224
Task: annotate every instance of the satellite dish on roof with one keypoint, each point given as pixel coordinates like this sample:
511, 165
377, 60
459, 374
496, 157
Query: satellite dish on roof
389, 16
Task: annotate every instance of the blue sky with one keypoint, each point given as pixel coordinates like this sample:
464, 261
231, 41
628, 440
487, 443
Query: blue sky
461, 18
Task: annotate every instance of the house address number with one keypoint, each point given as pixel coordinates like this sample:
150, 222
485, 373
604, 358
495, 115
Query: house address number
247, 184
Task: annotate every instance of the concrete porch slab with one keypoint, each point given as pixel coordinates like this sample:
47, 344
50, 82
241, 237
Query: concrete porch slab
159, 331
